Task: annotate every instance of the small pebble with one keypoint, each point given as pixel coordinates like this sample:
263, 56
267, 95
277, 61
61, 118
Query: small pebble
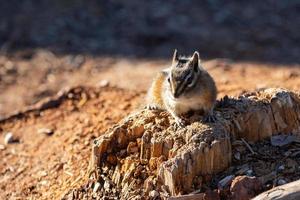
287, 153
44, 183
96, 187
281, 182
46, 131
9, 138
225, 181
154, 194
249, 172
42, 174
103, 83
281, 168
237, 156
106, 185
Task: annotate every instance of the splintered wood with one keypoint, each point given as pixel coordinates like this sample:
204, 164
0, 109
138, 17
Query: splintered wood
145, 154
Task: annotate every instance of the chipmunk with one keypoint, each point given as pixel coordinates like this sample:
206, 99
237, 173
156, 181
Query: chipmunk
183, 87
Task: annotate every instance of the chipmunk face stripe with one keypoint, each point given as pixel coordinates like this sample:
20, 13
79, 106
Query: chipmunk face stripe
187, 82
184, 74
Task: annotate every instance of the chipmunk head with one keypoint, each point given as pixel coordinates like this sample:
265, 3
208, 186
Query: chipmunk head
184, 74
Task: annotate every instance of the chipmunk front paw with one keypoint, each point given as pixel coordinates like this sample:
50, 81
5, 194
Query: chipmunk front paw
179, 122
209, 118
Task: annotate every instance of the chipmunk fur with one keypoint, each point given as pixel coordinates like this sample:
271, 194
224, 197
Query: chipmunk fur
183, 87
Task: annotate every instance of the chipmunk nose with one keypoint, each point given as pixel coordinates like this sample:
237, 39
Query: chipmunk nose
176, 94
174, 90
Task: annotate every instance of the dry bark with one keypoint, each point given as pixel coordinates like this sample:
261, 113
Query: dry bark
145, 151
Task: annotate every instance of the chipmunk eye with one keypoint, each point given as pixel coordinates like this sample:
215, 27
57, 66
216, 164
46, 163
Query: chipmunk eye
169, 80
190, 79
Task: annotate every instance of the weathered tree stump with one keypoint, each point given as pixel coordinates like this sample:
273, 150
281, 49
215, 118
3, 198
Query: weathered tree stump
146, 151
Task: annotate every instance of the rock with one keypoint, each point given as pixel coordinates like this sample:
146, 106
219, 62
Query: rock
249, 172
42, 174
9, 138
287, 153
281, 182
153, 194
237, 156
96, 187
44, 183
225, 182
280, 168
46, 131
244, 188
103, 83
281, 140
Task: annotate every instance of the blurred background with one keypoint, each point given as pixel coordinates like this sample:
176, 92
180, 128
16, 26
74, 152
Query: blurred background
47, 45
261, 30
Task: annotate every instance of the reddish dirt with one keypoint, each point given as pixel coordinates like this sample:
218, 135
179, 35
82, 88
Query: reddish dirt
46, 167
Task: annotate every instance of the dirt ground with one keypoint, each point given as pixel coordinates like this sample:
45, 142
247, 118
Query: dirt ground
41, 166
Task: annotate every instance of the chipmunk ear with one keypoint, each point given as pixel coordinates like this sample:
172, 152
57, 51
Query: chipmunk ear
175, 56
195, 60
